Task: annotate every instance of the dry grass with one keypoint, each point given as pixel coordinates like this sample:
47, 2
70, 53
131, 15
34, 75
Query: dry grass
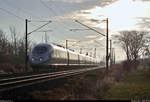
134, 86
7, 68
88, 86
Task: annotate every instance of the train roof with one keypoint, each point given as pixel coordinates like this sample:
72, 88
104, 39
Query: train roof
62, 48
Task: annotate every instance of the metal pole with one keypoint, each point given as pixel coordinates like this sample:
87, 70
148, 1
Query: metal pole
26, 45
66, 44
42, 39
45, 37
67, 53
110, 53
107, 44
80, 50
114, 57
95, 53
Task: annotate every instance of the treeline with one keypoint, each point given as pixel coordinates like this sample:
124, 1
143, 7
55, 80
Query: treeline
12, 51
136, 44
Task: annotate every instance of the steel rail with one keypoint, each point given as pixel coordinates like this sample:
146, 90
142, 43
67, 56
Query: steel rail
39, 77
28, 76
51, 76
40, 81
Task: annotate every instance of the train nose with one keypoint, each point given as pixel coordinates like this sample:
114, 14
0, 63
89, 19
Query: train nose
39, 54
33, 59
41, 59
36, 60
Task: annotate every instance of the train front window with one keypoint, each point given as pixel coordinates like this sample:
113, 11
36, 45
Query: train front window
40, 50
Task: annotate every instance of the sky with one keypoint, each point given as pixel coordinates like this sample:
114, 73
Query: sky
122, 15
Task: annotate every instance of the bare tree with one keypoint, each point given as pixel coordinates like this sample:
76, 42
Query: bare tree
14, 38
133, 43
21, 47
3, 43
13, 51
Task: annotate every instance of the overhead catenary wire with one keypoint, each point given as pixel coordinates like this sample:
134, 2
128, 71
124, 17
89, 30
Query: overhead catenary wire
18, 8
39, 27
52, 11
24, 19
99, 43
101, 21
48, 7
81, 29
75, 43
94, 30
78, 29
21, 18
55, 13
89, 27
39, 20
12, 14
62, 9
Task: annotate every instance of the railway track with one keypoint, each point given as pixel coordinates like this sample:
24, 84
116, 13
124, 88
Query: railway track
7, 84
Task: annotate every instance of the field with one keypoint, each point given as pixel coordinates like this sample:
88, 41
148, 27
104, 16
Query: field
125, 81
136, 85
86, 86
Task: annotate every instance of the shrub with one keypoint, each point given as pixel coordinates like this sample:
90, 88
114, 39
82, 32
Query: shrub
126, 65
8, 68
20, 68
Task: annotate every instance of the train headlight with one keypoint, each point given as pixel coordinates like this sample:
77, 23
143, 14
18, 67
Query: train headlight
40, 59
32, 59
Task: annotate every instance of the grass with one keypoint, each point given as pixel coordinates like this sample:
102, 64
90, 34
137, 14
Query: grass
78, 87
136, 85
85, 86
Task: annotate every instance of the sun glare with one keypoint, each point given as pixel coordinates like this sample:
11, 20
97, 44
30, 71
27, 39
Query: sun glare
122, 14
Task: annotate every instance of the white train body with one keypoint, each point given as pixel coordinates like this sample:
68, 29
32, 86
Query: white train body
53, 55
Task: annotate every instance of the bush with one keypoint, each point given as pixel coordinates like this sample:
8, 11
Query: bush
20, 68
8, 68
127, 65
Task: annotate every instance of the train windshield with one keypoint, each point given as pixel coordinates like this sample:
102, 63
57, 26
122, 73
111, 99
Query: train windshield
40, 50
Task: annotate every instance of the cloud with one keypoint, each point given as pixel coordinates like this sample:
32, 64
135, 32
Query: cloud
144, 22
95, 37
69, 1
73, 1
102, 3
142, 0
122, 15
95, 20
86, 44
84, 12
77, 9
91, 36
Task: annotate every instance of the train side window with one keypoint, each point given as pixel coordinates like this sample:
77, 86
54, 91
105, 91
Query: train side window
59, 54
55, 53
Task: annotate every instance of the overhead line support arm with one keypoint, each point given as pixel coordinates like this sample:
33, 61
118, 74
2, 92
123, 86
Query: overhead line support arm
89, 27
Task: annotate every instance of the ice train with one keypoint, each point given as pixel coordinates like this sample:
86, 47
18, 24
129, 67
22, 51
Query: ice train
53, 56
